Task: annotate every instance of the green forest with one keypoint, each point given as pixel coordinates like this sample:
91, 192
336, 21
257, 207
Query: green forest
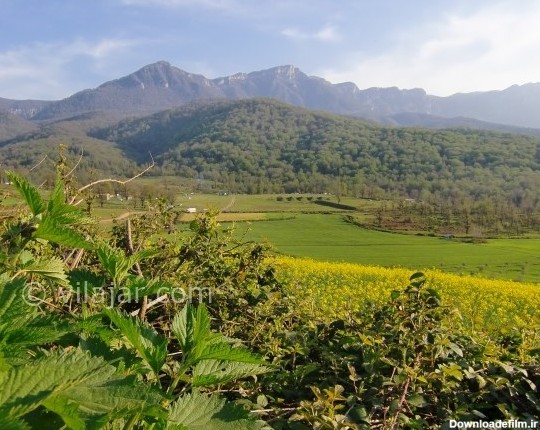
264, 146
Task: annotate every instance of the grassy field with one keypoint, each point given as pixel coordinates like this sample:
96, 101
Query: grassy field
267, 203
298, 227
328, 237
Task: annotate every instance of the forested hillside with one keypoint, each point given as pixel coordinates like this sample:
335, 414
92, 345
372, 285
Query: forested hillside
266, 146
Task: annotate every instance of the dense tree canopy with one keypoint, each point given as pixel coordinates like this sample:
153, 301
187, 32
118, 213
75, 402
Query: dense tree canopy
261, 146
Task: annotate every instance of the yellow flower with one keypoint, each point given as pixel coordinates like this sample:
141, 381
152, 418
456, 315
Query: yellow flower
334, 290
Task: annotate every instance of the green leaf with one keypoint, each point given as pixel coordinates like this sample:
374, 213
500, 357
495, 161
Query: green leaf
94, 402
455, 348
197, 342
51, 269
417, 275
62, 212
21, 326
118, 264
12, 303
417, 401
150, 345
85, 282
67, 410
453, 370
211, 372
192, 329
183, 328
82, 390
49, 229
196, 411
99, 348
54, 372
29, 193
224, 351
9, 423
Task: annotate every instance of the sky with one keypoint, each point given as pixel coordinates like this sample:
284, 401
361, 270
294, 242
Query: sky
50, 49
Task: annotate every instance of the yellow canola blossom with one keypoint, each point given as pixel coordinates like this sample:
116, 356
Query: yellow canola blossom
336, 290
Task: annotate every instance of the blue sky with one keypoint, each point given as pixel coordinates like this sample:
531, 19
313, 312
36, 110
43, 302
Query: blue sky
50, 49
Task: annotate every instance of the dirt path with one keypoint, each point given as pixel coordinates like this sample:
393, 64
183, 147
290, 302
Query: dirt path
229, 205
121, 216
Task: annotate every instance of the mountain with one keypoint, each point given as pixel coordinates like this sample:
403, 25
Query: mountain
518, 105
26, 109
153, 88
12, 125
410, 119
161, 86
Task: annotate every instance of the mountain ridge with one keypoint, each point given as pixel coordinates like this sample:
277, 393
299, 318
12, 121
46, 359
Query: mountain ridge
161, 86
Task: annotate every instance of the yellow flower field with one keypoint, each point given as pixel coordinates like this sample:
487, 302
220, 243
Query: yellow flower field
334, 290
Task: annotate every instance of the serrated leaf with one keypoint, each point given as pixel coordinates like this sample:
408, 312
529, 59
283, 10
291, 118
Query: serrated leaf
29, 193
62, 212
196, 411
81, 389
25, 387
9, 423
224, 351
123, 395
12, 304
182, 327
49, 229
21, 326
85, 282
51, 269
211, 372
197, 342
192, 329
149, 344
117, 263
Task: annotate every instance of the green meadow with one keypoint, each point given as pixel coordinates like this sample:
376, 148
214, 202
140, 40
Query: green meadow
329, 237
294, 225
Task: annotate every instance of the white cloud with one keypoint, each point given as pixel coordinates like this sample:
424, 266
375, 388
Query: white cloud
101, 49
42, 70
326, 34
492, 48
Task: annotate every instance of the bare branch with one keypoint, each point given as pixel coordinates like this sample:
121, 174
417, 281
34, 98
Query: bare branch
76, 164
77, 259
38, 164
142, 310
152, 303
116, 181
